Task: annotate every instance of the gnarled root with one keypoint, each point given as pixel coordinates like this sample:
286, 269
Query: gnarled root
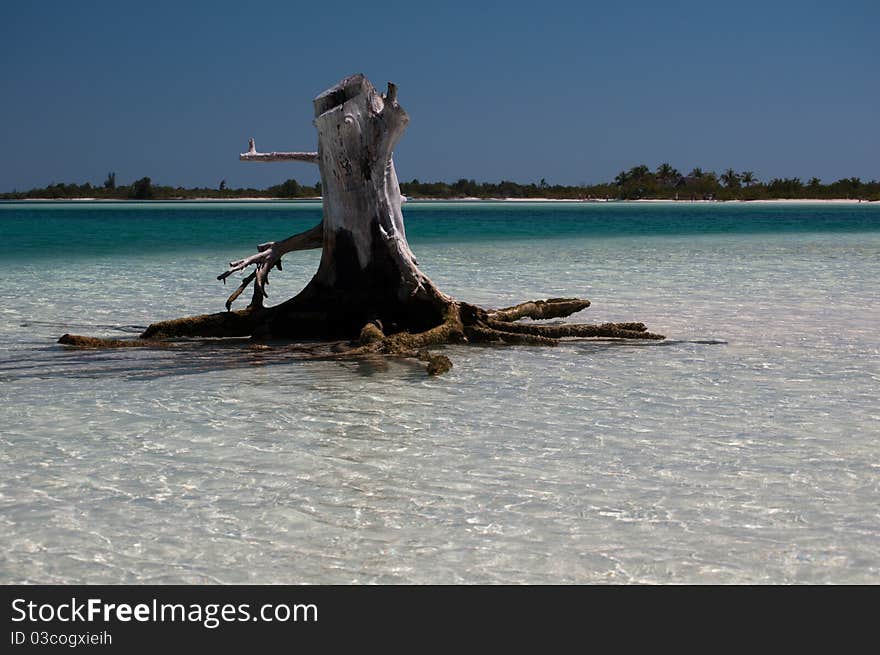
607, 330
77, 341
372, 341
437, 364
540, 309
269, 256
461, 323
223, 324
482, 334
501, 325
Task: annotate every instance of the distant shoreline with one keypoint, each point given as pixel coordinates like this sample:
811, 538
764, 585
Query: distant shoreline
773, 201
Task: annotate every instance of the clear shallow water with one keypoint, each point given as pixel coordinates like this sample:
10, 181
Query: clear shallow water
752, 460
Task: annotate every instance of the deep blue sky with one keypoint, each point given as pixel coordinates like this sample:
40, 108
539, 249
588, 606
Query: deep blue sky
569, 91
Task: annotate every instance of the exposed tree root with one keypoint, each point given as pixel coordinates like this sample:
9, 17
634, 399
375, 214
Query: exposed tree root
462, 323
541, 309
468, 323
373, 340
482, 334
437, 364
607, 330
78, 341
223, 324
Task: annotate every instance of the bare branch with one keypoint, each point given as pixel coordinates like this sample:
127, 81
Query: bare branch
235, 294
253, 155
269, 255
541, 309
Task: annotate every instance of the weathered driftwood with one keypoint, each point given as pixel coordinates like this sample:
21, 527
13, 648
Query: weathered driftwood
368, 287
268, 256
253, 155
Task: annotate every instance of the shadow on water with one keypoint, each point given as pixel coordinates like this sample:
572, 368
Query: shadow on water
180, 359
128, 329
198, 357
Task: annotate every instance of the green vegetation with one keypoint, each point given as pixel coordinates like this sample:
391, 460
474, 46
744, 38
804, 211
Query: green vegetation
144, 189
639, 182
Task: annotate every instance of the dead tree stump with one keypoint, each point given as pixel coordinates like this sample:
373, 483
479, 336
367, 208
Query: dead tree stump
368, 287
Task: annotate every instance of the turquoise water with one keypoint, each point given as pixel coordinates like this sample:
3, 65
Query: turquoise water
742, 449
82, 229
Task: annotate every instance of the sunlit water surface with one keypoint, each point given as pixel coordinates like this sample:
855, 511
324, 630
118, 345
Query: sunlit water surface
744, 449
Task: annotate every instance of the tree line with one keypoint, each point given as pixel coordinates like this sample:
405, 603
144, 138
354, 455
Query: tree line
639, 182
663, 183
144, 189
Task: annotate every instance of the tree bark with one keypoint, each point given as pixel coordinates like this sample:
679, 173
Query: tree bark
367, 270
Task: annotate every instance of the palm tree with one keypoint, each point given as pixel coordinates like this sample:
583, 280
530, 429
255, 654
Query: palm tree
748, 178
638, 172
622, 178
666, 173
696, 172
730, 178
854, 184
